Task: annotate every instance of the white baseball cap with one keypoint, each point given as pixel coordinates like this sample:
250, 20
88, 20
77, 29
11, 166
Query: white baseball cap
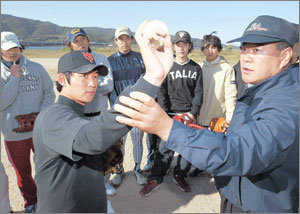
9, 40
123, 31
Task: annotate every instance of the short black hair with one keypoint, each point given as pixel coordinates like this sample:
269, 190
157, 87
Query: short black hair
210, 39
59, 86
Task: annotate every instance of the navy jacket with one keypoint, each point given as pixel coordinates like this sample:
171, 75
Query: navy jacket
256, 164
126, 69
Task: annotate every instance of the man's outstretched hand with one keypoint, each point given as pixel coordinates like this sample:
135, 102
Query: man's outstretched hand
144, 113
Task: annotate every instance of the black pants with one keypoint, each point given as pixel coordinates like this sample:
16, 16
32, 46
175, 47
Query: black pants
162, 162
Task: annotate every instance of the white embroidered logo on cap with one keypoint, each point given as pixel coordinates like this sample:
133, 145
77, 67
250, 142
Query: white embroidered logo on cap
181, 34
256, 27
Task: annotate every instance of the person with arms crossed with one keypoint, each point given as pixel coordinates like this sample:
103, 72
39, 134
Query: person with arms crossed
26, 89
69, 147
256, 163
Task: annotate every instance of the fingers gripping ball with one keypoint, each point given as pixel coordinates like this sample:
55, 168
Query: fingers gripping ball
150, 27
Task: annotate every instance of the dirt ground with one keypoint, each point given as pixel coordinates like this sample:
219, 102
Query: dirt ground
203, 198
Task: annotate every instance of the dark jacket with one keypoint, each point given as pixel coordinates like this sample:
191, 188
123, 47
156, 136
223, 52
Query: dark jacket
182, 90
256, 164
126, 69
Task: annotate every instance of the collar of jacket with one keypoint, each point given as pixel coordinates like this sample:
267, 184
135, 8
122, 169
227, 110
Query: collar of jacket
124, 54
216, 61
78, 108
273, 83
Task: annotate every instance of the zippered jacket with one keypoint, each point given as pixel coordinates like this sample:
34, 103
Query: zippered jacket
126, 69
256, 164
220, 91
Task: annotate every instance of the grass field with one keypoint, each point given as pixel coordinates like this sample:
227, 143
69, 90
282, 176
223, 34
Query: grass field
232, 56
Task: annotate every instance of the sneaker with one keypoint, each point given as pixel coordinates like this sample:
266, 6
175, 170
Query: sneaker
109, 207
140, 178
180, 181
196, 172
117, 180
149, 187
30, 208
110, 190
149, 165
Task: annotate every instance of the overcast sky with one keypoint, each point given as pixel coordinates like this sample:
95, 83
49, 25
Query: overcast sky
228, 18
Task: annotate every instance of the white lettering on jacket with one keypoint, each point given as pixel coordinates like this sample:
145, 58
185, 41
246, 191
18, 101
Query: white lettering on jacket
185, 74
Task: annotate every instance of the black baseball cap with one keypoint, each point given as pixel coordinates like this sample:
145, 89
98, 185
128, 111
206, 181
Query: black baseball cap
74, 32
266, 29
80, 62
182, 36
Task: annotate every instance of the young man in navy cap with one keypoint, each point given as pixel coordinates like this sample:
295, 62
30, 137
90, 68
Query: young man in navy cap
256, 163
68, 158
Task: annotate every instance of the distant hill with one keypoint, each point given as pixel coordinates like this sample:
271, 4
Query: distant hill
29, 30
34, 30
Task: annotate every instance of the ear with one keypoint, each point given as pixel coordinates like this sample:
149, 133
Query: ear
61, 79
286, 56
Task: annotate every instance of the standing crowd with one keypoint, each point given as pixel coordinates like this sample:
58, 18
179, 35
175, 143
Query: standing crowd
254, 160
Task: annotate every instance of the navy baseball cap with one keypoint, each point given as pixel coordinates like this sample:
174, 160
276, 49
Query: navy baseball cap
80, 62
266, 29
74, 32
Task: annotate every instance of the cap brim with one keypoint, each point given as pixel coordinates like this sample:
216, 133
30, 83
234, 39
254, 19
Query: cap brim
102, 69
181, 40
75, 35
9, 45
255, 39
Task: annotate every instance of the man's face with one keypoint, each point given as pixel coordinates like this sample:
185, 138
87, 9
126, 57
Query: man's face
210, 52
182, 49
80, 43
124, 43
82, 87
259, 62
11, 55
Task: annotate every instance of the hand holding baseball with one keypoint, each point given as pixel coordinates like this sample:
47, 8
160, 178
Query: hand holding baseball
16, 70
158, 62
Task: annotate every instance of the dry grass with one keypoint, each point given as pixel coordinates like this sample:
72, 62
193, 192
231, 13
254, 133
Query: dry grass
196, 55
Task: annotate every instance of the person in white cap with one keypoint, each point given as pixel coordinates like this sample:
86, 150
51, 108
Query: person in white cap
127, 66
26, 88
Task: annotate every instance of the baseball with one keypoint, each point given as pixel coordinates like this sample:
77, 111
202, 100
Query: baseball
150, 26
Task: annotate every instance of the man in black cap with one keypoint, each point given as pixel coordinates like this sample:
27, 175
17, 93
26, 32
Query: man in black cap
256, 163
180, 93
68, 159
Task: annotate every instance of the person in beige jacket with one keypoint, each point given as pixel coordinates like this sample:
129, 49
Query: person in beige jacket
219, 85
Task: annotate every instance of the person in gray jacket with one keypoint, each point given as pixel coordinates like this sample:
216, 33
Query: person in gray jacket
26, 89
256, 163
